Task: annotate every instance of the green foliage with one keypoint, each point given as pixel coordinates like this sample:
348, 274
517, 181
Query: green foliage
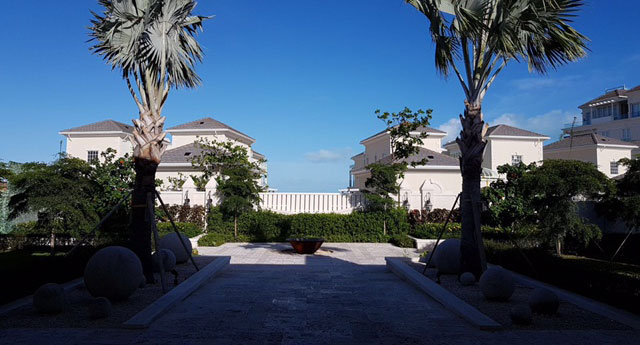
182, 213
609, 282
624, 202
61, 195
266, 226
189, 229
483, 37
402, 128
214, 239
510, 199
554, 187
112, 177
200, 182
406, 134
401, 240
176, 183
381, 185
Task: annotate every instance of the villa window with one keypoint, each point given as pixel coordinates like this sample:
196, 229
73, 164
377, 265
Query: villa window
635, 110
626, 134
92, 156
614, 168
516, 159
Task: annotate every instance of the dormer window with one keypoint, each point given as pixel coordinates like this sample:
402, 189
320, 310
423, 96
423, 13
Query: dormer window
187, 154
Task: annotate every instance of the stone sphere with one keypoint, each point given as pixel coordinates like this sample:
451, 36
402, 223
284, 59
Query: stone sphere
172, 242
99, 308
447, 257
521, 315
164, 258
113, 272
497, 284
544, 301
49, 299
467, 279
143, 282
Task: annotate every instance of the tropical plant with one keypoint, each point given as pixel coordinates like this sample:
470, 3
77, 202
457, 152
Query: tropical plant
553, 188
60, 194
476, 43
176, 183
152, 43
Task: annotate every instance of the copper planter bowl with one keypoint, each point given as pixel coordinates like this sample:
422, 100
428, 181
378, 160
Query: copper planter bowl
306, 245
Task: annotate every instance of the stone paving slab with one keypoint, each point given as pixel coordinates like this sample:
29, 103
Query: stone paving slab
268, 295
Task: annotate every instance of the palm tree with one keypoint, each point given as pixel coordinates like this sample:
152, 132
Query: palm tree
476, 43
152, 43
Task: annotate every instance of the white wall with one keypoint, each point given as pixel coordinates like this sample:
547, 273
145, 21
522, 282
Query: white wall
78, 145
441, 185
377, 149
606, 155
499, 151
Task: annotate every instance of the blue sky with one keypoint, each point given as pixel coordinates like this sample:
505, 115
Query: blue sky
302, 77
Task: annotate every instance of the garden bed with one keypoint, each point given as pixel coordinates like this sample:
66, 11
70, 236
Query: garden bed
568, 317
75, 314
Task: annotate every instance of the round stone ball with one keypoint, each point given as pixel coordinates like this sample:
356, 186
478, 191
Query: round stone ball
172, 242
467, 279
164, 258
447, 257
113, 272
49, 299
544, 301
99, 308
497, 284
521, 315
143, 282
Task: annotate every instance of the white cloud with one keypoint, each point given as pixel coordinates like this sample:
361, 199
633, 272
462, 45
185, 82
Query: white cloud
534, 83
331, 155
452, 128
550, 123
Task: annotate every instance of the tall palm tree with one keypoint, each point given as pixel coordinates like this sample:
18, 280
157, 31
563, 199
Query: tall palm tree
476, 41
152, 43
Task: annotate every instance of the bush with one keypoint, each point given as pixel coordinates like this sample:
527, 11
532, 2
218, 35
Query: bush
613, 283
401, 240
183, 214
189, 229
216, 239
524, 236
266, 226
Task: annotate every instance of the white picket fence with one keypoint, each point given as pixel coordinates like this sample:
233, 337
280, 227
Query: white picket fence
291, 203
285, 203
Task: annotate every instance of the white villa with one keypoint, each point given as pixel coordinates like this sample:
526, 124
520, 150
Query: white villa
610, 131
88, 141
438, 182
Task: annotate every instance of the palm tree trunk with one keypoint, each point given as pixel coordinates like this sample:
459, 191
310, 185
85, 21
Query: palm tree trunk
472, 257
147, 153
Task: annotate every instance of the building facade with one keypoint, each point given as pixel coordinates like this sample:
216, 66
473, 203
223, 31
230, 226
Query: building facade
89, 141
603, 152
614, 114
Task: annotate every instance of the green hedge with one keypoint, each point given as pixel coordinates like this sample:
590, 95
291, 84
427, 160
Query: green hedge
432, 230
189, 229
266, 226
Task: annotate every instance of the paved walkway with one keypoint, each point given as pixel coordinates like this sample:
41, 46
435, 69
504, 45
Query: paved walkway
344, 295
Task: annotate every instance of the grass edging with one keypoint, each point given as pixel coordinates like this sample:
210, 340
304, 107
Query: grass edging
145, 317
441, 295
19, 303
583, 302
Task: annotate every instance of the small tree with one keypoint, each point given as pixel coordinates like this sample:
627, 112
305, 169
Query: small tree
509, 199
554, 187
236, 175
60, 194
406, 134
624, 203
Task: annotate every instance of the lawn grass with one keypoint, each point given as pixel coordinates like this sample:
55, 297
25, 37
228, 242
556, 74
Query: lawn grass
23, 271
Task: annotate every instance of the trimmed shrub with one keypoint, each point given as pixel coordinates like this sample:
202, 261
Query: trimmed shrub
266, 226
214, 240
183, 214
401, 240
189, 229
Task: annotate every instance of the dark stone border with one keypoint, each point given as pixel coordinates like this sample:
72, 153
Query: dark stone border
145, 317
441, 295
